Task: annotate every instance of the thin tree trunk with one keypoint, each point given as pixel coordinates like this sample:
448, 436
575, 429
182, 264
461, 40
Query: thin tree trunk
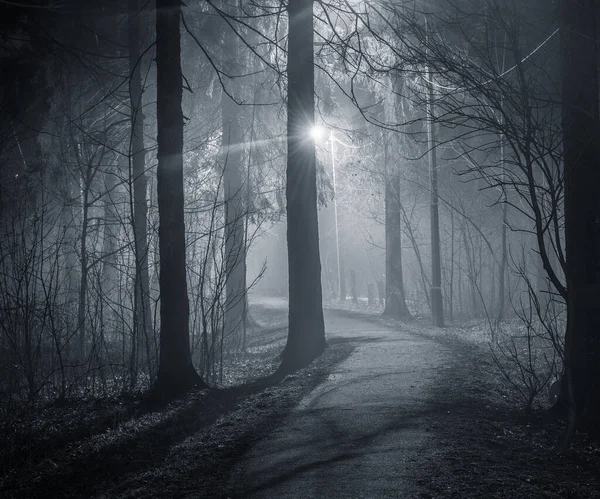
143, 318
437, 304
83, 281
502, 266
451, 291
471, 271
233, 183
503, 257
109, 277
460, 278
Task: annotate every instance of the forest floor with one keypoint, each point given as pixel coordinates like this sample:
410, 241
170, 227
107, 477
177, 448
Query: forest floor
390, 409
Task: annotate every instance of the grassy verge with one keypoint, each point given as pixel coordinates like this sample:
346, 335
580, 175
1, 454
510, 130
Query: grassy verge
487, 445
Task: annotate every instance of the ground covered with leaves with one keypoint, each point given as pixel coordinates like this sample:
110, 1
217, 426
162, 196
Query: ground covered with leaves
486, 445
129, 447
490, 447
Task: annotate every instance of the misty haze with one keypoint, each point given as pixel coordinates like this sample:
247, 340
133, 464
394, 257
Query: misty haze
299, 249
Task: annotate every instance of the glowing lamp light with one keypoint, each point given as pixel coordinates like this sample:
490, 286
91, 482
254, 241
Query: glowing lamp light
317, 133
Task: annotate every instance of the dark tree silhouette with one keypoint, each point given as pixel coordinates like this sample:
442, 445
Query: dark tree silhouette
143, 318
175, 371
581, 130
306, 336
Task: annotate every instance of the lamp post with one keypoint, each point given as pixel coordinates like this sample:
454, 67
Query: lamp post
317, 134
335, 215
437, 304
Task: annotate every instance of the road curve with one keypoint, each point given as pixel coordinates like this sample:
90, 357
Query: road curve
359, 434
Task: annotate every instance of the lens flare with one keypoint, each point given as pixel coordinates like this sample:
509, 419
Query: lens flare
317, 133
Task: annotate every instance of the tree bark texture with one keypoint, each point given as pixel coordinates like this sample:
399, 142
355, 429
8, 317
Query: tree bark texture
142, 310
437, 304
110, 273
395, 301
503, 248
233, 181
306, 336
581, 132
86, 178
175, 372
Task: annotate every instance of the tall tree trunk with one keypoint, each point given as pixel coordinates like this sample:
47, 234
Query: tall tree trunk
581, 132
69, 256
110, 276
504, 248
233, 180
451, 283
395, 301
83, 258
502, 267
306, 336
437, 304
110, 233
142, 310
175, 371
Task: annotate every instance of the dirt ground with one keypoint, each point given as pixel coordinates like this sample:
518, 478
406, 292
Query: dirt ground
453, 423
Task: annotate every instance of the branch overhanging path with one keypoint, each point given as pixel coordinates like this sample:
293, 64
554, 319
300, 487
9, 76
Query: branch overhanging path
497, 77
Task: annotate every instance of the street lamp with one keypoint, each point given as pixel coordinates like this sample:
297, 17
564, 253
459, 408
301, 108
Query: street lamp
317, 133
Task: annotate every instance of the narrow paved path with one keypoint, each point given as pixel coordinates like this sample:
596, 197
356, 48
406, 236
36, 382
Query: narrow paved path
361, 433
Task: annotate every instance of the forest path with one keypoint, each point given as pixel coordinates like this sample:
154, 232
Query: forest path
391, 409
363, 431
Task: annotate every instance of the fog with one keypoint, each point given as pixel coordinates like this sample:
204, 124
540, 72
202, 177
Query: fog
209, 198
